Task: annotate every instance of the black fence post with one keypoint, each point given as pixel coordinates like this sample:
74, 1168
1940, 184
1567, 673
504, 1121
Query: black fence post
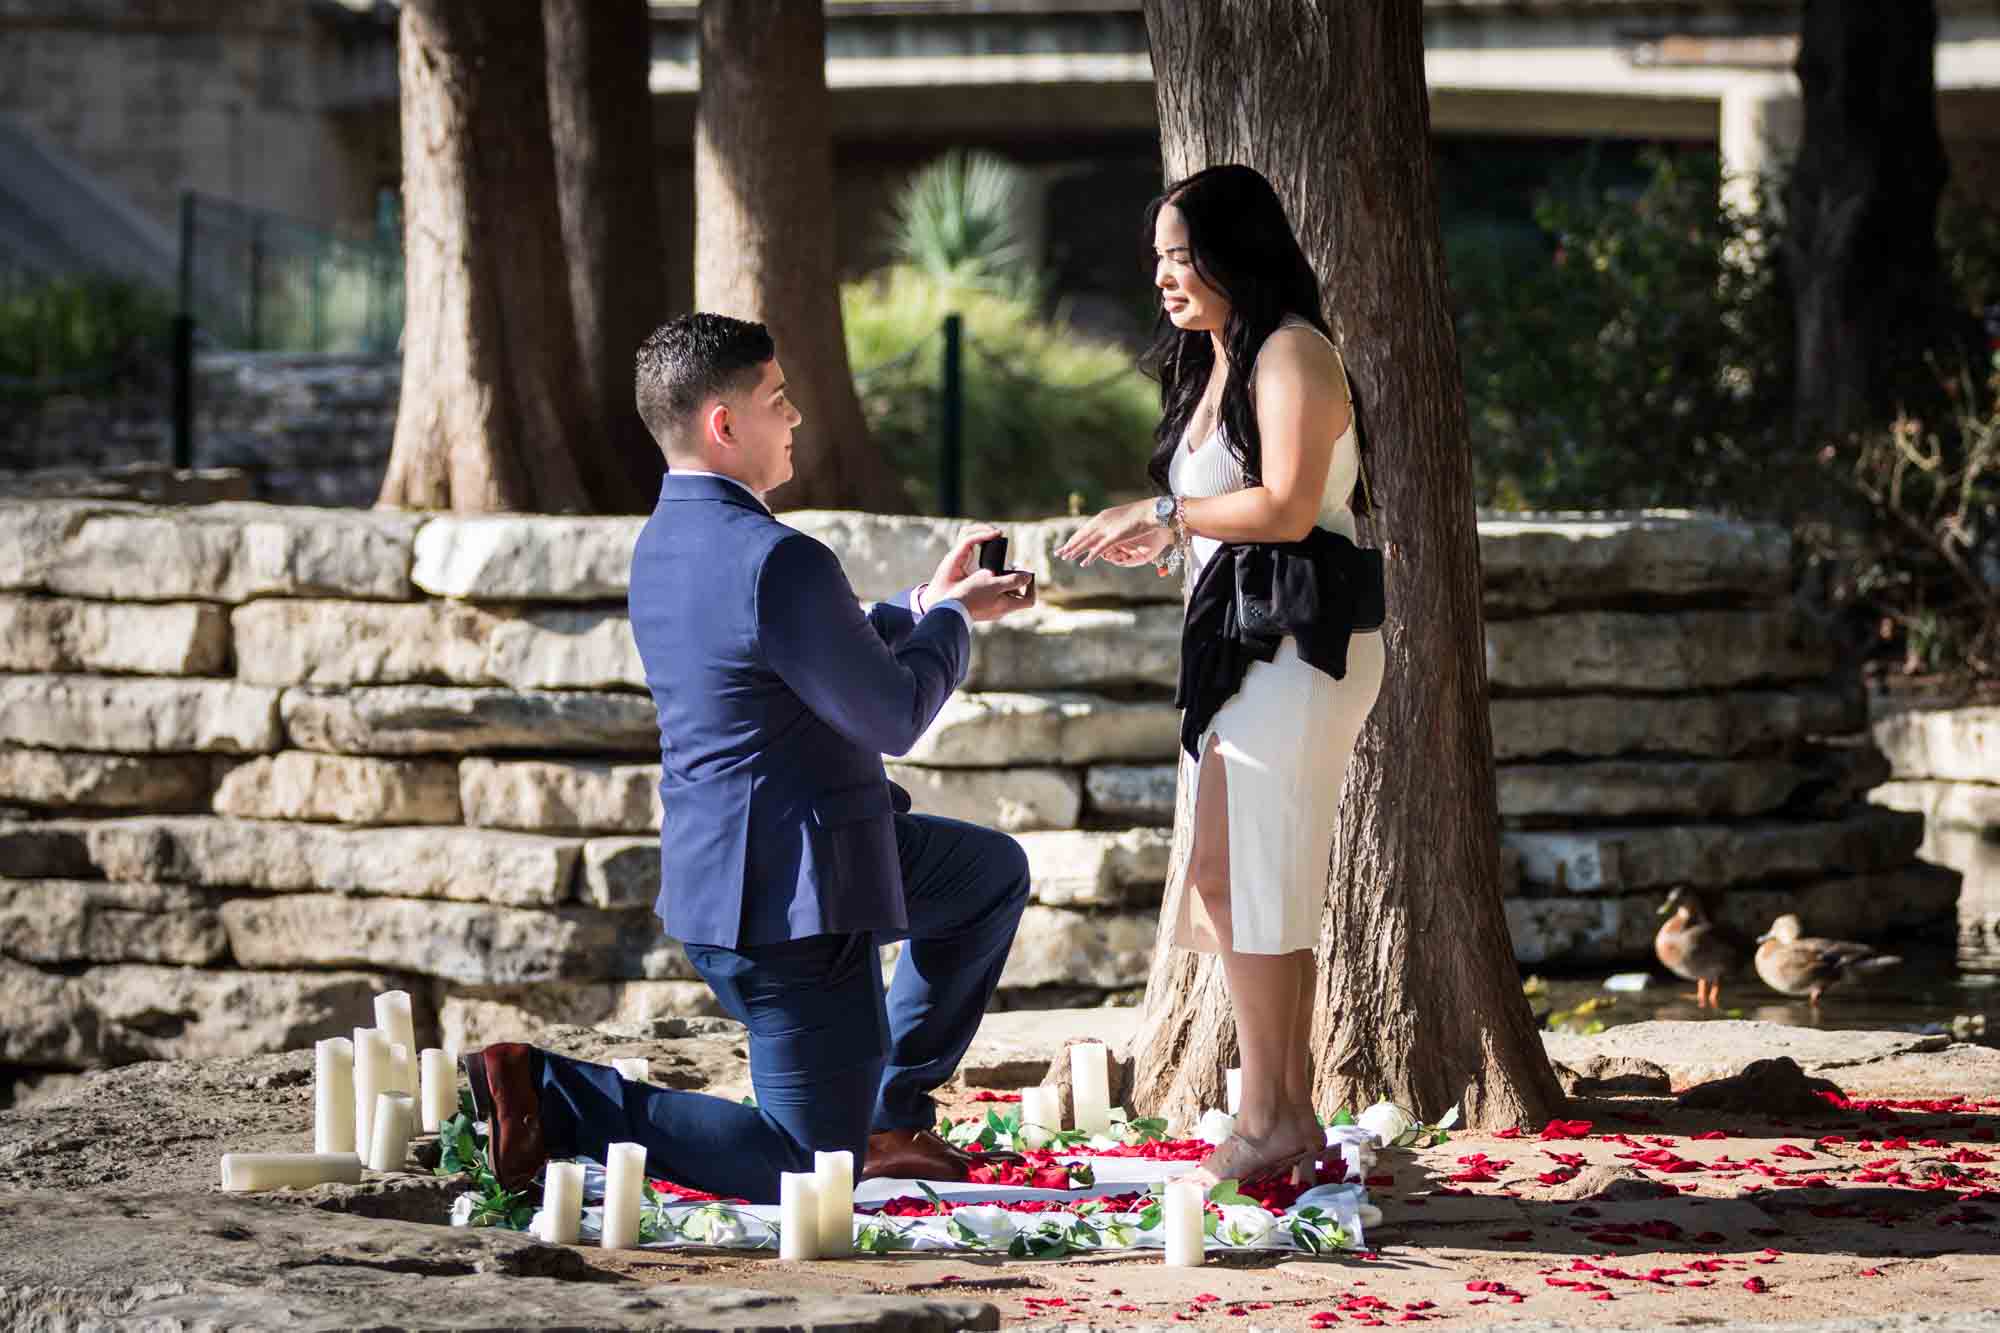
256, 280
183, 342
951, 418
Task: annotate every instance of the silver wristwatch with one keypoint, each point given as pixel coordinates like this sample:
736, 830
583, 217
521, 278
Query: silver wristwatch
1163, 511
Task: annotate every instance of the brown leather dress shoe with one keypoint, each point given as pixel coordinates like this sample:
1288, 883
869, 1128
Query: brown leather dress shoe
505, 1095
918, 1154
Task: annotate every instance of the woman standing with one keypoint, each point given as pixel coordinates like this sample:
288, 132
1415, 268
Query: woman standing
1256, 446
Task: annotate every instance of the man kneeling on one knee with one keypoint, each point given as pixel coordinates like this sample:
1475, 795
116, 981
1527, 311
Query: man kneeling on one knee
787, 857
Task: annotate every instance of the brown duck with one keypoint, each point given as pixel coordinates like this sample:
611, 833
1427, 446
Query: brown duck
1697, 949
1805, 965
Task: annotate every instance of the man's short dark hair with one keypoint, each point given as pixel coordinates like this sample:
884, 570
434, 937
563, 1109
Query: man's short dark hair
692, 358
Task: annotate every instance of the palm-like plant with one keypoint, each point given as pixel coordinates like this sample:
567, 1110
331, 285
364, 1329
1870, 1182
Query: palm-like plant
958, 219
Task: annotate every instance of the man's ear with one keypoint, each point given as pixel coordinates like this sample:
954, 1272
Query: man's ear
717, 425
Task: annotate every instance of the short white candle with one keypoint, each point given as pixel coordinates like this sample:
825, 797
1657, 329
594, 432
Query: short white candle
1234, 1079
1090, 1086
635, 1067
440, 1094
562, 1201
1183, 1224
392, 1015
833, 1179
624, 1192
1040, 1117
288, 1170
389, 1133
372, 1077
798, 1216
333, 1095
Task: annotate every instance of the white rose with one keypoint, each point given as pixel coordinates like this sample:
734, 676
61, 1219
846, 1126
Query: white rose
461, 1210
1243, 1224
1387, 1122
1215, 1126
993, 1225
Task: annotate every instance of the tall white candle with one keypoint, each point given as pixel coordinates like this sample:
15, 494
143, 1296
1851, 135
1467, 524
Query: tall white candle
440, 1092
1040, 1115
798, 1216
392, 1015
1234, 1079
833, 1181
635, 1067
372, 1077
562, 1201
1090, 1086
624, 1192
288, 1170
333, 1095
1183, 1224
389, 1131
403, 1071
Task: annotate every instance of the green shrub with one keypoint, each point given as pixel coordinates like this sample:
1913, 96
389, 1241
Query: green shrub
1047, 413
77, 329
958, 220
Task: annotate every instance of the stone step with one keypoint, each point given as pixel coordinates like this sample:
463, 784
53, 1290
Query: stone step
556, 796
1053, 648
1629, 788
438, 719
1014, 800
300, 785
66, 781
1139, 793
1000, 729
64, 634
138, 715
1625, 860
55, 921
1657, 652
1538, 562
1946, 744
1059, 947
509, 558
1594, 726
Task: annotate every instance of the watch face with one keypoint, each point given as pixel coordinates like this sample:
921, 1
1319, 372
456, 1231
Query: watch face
1163, 509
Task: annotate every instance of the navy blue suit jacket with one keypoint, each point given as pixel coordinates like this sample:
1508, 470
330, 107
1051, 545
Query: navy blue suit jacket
777, 700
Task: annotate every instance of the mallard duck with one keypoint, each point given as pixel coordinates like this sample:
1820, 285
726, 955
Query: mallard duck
1697, 949
1793, 964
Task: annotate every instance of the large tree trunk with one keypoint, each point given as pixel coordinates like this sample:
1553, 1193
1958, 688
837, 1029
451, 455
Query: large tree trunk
489, 411
1418, 997
601, 121
763, 248
1861, 233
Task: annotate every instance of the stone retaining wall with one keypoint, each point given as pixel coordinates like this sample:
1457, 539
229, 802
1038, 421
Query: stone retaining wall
260, 760
1945, 763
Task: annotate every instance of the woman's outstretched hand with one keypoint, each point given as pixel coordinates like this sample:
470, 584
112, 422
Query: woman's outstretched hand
1117, 528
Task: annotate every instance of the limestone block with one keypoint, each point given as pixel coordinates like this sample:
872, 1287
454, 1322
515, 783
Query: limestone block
234, 552
433, 719
1086, 868
137, 715
620, 873
474, 1016
1014, 799
1944, 805
1050, 648
1581, 651
1624, 860
1058, 947
56, 921
1950, 744
1537, 562
298, 642
883, 554
532, 558
64, 780
1590, 726
478, 943
556, 797
1064, 582
120, 1013
35, 536
1140, 793
466, 865
44, 850
997, 730
63, 634
1624, 788
340, 789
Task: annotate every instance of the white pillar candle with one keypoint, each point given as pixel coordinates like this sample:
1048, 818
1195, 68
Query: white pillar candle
333, 1095
288, 1170
392, 1015
403, 1072
798, 1216
1090, 1086
562, 1201
440, 1091
1183, 1224
1040, 1117
624, 1191
635, 1067
1234, 1079
833, 1180
389, 1131
372, 1077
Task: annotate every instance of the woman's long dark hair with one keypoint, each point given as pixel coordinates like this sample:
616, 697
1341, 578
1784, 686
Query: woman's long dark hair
1242, 245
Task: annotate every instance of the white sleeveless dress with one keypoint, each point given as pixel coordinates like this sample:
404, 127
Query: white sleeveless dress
1285, 739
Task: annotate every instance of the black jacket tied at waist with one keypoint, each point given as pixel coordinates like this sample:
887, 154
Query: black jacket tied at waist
1250, 595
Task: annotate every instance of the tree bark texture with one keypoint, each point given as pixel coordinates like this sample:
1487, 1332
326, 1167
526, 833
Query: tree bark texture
489, 411
763, 166
601, 125
1861, 227
1418, 998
